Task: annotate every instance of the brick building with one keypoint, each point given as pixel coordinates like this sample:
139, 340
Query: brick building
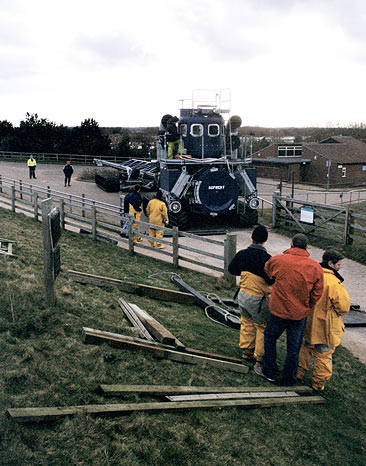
335, 161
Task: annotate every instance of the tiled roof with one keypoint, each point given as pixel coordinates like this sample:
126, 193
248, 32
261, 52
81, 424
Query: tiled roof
341, 149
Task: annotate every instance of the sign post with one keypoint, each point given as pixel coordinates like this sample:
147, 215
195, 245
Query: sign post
51, 232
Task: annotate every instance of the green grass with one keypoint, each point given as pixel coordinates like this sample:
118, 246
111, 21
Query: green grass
43, 362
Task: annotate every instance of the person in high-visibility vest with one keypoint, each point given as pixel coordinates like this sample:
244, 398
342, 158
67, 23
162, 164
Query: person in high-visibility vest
32, 166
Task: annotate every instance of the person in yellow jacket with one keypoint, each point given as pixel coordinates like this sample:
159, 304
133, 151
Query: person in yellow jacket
32, 167
158, 215
255, 288
324, 326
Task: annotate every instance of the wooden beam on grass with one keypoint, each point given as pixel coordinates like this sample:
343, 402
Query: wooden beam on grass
97, 336
155, 328
158, 390
135, 321
138, 289
51, 414
231, 396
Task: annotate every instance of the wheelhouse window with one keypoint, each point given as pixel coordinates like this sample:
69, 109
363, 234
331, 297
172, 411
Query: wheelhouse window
183, 129
197, 130
213, 130
289, 151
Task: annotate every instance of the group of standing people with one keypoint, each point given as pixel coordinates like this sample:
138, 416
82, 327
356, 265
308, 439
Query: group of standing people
290, 292
68, 170
156, 210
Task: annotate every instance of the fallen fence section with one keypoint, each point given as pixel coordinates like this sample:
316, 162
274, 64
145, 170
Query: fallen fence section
161, 351
138, 289
51, 414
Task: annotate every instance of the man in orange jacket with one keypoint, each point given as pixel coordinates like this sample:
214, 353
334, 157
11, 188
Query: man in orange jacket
298, 285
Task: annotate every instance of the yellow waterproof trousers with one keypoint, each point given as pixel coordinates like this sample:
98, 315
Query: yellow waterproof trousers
175, 147
155, 234
137, 215
252, 339
322, 366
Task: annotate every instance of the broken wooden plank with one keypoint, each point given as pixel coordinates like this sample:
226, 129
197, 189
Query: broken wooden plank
138, 289
231, 396
155, 328
51, 414
118, 390
135, 321
193, 359
95, 336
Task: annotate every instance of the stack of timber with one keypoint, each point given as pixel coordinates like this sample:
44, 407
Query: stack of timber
252, 397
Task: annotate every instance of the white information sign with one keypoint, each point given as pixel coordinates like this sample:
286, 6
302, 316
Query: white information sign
306, 215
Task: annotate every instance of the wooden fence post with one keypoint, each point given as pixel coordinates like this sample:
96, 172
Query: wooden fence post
62, 214
94, 222
83, 205
229, 253
175, 242
13, 198
1, 184
130, 234
274, 208
47, 256
20, 189
347, 240
35, 205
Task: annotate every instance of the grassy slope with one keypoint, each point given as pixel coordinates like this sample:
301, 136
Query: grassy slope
43, 362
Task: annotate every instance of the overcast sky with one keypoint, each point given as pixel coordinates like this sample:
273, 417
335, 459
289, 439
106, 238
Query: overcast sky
127, 63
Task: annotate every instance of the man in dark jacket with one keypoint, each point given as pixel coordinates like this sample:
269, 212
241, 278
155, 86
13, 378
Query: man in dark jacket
175, 144
68, 171
133, 205
253, 295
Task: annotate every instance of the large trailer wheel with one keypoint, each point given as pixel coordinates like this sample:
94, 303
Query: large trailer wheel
108, 183
180, 220
248, 217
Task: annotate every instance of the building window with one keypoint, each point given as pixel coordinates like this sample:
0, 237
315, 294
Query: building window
213, 130
344, 172
197, 130
289, 151
364, 168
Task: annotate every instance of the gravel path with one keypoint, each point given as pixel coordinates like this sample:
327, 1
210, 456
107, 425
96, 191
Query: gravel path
353, 272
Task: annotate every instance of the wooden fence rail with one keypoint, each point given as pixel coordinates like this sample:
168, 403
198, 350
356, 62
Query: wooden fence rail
106, 222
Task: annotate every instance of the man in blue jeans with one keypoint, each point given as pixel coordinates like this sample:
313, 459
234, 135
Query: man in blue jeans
298, 285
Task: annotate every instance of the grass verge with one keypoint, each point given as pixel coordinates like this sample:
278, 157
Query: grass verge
43, 362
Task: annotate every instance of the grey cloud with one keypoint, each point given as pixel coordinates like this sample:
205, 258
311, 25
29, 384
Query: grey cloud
112, 50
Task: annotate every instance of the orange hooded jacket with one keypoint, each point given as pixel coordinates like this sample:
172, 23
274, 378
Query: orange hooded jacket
298, 283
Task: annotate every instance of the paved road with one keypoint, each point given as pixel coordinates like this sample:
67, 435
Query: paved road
354, 273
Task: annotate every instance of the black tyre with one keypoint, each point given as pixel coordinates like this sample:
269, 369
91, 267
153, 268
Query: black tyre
248, 217
180, 220
108, 183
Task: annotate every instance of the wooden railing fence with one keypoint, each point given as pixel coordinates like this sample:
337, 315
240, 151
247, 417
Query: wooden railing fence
106, 222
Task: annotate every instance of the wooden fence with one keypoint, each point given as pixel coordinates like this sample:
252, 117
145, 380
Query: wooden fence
336, 223
45, 157
105, 222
